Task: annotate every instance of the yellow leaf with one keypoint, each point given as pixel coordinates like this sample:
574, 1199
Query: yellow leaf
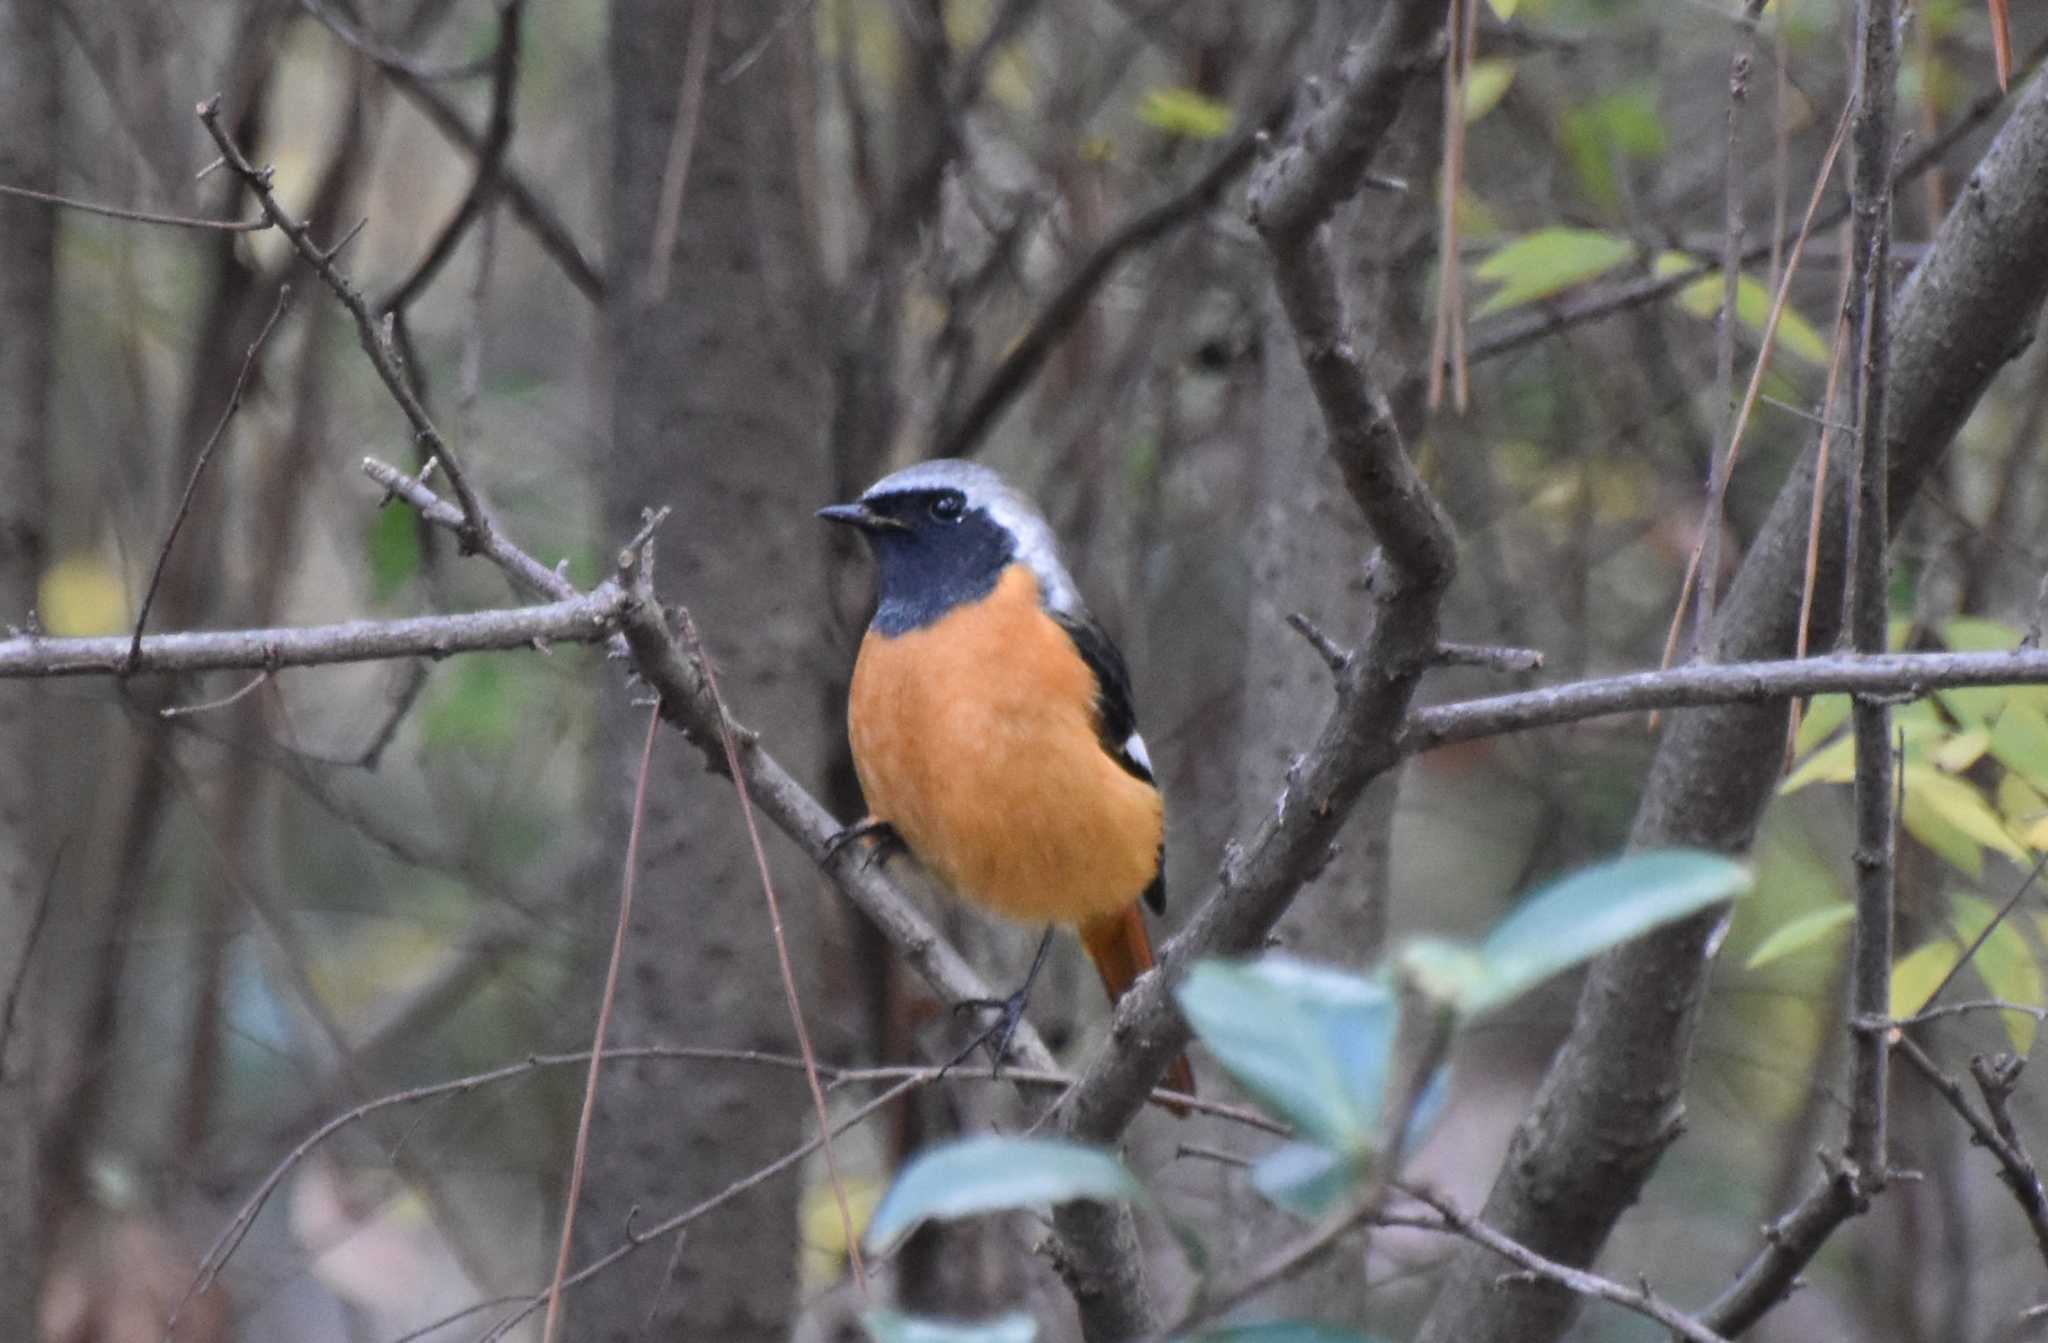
1961, 751
1963, 807
80, 594
823, 1231
1918, 973
1505, 9
1179, 110
2005, 963
1702, 298
1486, 83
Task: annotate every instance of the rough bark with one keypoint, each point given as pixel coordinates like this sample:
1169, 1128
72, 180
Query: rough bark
718, 409
1612, 1101
29, 105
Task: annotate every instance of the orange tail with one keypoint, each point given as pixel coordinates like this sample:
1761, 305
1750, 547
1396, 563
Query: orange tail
1121, 950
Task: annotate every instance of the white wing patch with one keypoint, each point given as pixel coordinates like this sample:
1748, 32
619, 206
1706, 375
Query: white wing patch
1134, 747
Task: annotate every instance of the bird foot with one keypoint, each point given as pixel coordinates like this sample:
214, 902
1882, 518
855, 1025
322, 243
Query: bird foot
884, 834
998, 1034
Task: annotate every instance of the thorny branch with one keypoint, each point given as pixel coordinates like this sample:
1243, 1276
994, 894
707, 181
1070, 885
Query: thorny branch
376, 340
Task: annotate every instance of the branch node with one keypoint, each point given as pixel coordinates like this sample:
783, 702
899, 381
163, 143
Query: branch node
1337, 659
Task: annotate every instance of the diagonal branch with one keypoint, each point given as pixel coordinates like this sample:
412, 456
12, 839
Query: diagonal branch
376, 339
1612, 1100
490, 164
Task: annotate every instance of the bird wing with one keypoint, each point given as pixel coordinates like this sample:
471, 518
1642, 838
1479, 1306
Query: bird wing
1116, 720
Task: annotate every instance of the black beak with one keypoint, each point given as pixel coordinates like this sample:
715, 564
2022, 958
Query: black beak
861, 516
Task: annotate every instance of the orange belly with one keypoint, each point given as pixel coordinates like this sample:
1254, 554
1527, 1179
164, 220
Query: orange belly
975, 738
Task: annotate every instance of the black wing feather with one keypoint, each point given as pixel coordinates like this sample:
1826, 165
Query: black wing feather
1116, 720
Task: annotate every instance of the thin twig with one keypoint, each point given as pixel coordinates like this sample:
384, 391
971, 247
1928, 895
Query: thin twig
376, 340
730, 742
1071, 299
682, 144
163, 555
490, 164
236, 696
627, 880
1996, 1135
1453, 1220
1700, 574
1732, 227
137, 216
539, 217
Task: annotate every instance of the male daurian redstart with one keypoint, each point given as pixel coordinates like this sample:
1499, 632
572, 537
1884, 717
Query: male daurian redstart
991, 721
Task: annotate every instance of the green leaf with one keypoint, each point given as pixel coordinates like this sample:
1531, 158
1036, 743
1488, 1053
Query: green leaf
1974, 634
1832, 763
2005, 963
1805, 931
1278, 1331
1600, 907
1942, 837
1538, 265
2019, 741
1179, 110
1486, 83
1599, 134
1918, 973
392, 546
1504, 9
1702, 299
992, 1173
888, 1326
1823, 715
1311, 1043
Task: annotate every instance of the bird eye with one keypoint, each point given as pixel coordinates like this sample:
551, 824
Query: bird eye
947, 507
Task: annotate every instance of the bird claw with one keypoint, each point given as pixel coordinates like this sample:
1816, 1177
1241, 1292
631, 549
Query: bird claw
884, 834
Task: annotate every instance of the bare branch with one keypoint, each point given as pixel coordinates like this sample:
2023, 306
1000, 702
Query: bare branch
1453, 1220
136, 216
527, 204
163, 555
490, 165
1868, 605
591, 618
376, 341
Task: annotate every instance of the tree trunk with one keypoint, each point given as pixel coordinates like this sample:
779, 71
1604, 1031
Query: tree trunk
718, 409
29, 104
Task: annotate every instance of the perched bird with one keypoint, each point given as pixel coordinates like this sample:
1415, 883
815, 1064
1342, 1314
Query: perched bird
991, 722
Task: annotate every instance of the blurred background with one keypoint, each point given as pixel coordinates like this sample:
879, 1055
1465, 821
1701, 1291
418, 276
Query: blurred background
741, 257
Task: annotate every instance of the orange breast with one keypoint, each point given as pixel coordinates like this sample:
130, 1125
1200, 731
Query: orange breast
975, 737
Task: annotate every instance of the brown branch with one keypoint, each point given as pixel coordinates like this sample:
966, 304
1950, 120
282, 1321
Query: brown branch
376, 340
728, 741
532, 210
627, 880
136, 216
1453, 1220
1291, 195
491, 154
163, 555
1070, 301
1996, 1134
